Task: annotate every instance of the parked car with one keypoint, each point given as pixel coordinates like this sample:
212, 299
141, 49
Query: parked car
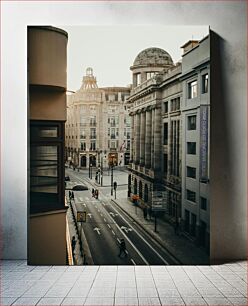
79, 187
67, 178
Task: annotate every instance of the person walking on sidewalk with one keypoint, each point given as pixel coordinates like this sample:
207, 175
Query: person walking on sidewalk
69, 194
72, 195
122, 248
73, 245
93, 192
149, 210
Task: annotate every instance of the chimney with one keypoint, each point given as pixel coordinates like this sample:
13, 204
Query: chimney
189, 45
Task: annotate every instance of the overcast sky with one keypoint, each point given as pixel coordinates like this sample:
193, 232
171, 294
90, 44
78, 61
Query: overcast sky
111, 50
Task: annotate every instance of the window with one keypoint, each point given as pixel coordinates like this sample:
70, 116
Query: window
191, 148
117, 132
128, 133
165, 163
83, 146
92, 146
205, 83
192, 90
92, 133
175, 104
150, 75
203, 203
191, 196
191, 172
138, 79
112, 133
165, 133
113, 145
166, 107
192, 122
93, 120
82, 134
46, 166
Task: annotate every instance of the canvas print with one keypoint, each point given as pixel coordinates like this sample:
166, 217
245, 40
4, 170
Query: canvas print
119, 142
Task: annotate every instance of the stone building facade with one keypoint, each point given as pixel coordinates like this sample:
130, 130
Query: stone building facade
161, 113
98, 126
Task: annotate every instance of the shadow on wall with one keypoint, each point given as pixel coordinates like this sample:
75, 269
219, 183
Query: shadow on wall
226, 242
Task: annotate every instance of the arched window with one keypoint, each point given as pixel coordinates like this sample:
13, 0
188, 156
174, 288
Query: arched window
140, 190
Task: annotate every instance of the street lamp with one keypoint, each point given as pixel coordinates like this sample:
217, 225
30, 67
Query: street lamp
112, 174
90, 171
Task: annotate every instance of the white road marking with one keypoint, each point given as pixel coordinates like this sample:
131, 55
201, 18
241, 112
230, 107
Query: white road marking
118, 240
101, 214
108, 225
126, 229
113, 232
143, 239
98, 230
90, 215
104, 219
133, 262
81, 199
137, 251
84, 204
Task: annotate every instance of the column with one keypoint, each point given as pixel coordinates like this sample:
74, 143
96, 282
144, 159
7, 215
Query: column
148, 139
157, 139
152, 138
137, 138
132, 138
142, 137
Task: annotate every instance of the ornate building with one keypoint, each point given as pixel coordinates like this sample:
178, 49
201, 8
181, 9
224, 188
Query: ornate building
98, 125
170, 139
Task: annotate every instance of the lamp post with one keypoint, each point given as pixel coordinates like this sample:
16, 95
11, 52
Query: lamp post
90, 171
101, 171
112, 173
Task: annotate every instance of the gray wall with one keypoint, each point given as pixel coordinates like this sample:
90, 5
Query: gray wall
228, 137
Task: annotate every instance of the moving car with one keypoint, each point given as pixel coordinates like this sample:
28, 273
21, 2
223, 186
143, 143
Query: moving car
67, 178
79, 187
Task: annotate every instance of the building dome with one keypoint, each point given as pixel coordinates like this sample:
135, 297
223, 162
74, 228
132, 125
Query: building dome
153, 57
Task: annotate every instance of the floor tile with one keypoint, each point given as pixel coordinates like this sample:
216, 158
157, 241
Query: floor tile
73, 301
239, 301
126, 292
99, 301
166, 301
147, 292
26, 301
194, 301
149, 301
121, 301
50, 301
217, 301
7, 300
101, 292
163, 292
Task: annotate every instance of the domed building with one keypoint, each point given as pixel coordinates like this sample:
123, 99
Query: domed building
169, 162
149, 62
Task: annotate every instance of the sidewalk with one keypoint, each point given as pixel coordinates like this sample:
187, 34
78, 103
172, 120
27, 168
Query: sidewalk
121, 177
183, 249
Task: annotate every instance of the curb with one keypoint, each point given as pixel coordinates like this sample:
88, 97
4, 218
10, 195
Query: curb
157, 239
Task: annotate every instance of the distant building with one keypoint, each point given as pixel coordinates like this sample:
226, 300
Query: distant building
98, 126
170, 107
47, 231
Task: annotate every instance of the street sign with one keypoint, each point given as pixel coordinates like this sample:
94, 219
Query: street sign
159, 200
81, 216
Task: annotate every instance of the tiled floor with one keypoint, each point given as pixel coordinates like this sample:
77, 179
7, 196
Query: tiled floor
119, 285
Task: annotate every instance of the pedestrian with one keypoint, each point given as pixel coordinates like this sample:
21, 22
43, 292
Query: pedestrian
122, 248
149, 210
73, 244
72, 195
69, 194
96, 193
145, 212
93, 192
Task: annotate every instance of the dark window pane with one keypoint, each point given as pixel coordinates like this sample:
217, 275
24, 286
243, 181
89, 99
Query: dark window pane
191, 196
191, 172
44, 169
192, 122
191, 148
43, 131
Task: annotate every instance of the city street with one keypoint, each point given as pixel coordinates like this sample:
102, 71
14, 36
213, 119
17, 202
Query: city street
106, 224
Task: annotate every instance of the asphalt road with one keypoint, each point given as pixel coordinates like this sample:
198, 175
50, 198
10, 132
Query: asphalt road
106, 224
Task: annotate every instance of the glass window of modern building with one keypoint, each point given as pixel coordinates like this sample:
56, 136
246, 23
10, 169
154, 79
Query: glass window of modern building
191, 195
192, 122
203, 203
191, 172
205, 83
192, 89
191, 148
